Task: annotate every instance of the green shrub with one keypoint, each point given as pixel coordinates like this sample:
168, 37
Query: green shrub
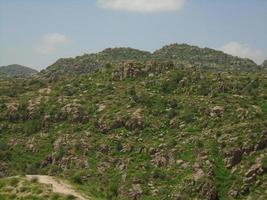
13, 182
77, 177
34, 179
70, 197
159, 174
32, 126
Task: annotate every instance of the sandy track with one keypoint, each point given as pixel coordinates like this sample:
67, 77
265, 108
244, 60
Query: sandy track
57, 185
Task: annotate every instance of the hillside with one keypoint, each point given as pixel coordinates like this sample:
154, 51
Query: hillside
141, 130
203, 58
16, 71
91, 62
178, 53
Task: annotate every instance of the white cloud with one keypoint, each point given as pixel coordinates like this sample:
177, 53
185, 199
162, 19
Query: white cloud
142, 5
244, 51
49, 43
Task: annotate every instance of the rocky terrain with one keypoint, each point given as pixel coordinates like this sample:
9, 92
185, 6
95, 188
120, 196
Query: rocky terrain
181, 123
16, 71
177, 53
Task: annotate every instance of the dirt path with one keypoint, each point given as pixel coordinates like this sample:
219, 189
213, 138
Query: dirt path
57, 185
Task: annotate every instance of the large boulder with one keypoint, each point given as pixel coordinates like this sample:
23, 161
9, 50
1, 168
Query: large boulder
136, 121
233, 157
74, 112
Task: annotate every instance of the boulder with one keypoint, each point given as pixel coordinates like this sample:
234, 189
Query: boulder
102, 126
117, 75
131, 71
262, 144
217, 111
159, 160
136, 191
209, 190
135, 121
74, 112
233, 157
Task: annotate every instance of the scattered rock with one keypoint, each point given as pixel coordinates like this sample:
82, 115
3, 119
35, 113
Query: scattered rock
198, 172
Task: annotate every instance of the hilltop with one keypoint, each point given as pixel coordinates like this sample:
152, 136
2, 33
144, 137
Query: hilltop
178, 53
16, 71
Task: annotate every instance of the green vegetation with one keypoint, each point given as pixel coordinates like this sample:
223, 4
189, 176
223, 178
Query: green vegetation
182, 122
20, 188
16, 71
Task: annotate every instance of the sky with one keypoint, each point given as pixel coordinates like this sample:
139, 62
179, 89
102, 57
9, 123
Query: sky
36, 33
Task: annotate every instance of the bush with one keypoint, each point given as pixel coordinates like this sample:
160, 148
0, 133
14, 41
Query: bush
70, 197
77, 178
34, 179
159, 174
14, 182
32, 126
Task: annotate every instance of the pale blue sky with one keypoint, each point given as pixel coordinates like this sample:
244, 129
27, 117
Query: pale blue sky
36, 33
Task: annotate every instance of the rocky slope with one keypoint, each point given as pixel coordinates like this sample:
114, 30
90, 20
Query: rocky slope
141, 130
178, 53
203, 58
16, 71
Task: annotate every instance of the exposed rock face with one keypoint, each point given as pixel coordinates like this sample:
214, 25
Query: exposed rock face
262, 144
217, 111
159, 160
198, 172
100, 124
233, 157
135, 121
254, 171
136, 191
209, 190
74, 112
64, 155
11, 111
118, 122
130, 71
117, 75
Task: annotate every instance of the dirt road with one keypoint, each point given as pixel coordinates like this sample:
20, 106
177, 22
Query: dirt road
57, 185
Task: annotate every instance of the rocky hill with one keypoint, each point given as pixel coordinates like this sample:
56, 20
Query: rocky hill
141, 130
16, 71
178, 53
91, 62
203, 58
